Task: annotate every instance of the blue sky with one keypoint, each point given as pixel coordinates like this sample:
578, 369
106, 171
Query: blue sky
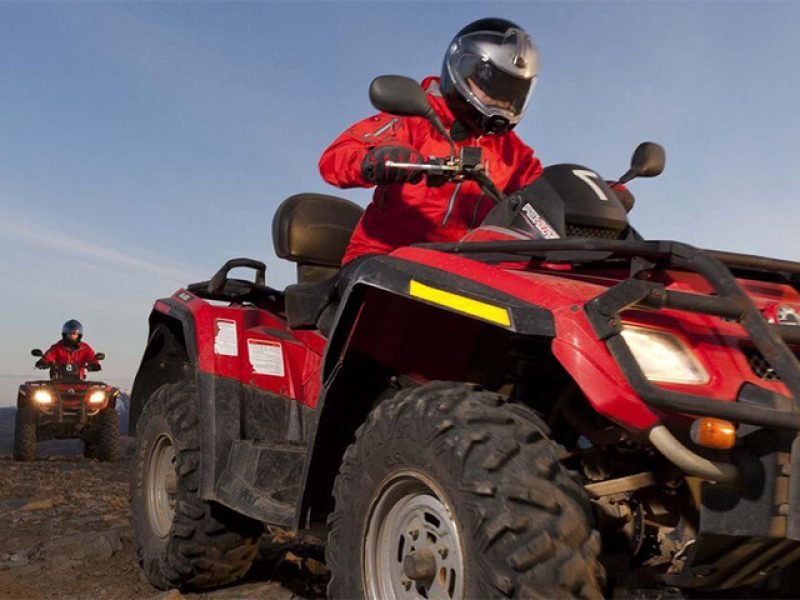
143, 144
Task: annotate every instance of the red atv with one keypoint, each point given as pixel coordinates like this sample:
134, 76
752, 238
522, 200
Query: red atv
552, 407
67, 406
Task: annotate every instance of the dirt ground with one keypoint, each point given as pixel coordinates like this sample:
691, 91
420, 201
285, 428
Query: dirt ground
64, 533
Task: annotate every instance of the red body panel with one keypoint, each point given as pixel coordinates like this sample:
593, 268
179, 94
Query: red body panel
716, 342
255, 347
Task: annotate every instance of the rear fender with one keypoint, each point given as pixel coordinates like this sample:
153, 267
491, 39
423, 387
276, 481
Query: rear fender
170, 354
176, 330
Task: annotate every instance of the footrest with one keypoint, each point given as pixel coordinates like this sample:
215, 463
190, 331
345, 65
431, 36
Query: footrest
262, 481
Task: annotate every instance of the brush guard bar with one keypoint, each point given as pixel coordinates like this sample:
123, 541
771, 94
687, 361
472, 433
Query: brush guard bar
756, 406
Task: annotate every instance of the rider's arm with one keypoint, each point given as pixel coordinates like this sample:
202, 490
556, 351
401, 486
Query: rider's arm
49, 357
87, 358
528, 167
340, 164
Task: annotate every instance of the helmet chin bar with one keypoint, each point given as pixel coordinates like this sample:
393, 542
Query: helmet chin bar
497, 124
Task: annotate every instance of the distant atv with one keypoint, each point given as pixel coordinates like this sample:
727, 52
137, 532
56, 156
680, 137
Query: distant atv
551, 408
67, 406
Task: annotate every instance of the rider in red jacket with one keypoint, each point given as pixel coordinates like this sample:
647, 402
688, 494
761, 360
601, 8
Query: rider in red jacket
488, 75
70, 350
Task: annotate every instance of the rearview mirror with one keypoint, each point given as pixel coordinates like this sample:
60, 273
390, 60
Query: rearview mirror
99, 356
37, 352
648, 160
398, 95
402, 96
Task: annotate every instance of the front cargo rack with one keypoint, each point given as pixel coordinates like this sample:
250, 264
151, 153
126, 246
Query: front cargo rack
756, 405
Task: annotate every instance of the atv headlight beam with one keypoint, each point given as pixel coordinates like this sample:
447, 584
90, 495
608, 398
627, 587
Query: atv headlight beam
42, 397
663, 356
97, 397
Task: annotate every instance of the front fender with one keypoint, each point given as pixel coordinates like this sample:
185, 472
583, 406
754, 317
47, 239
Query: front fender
594, 370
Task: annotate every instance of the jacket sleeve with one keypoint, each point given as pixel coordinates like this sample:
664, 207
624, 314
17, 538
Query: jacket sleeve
528, 167
88, 355
49, 356
340, 163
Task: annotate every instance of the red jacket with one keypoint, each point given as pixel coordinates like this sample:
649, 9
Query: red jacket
404, 214
61, 354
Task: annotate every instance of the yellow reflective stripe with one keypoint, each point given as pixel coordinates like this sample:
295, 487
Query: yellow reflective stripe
488, 312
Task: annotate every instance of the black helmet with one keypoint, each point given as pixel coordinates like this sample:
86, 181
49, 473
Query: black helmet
69, 327
488, 75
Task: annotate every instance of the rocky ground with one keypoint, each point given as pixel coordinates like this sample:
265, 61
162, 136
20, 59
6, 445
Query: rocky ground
64, 533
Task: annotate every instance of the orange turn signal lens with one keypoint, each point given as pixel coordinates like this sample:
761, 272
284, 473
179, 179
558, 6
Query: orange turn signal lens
714, 433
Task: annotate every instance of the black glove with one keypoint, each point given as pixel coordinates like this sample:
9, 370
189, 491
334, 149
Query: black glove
40, 364
374, 169
93, 367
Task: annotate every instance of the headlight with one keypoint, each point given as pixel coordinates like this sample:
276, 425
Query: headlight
97, 397
42, 397
663, 356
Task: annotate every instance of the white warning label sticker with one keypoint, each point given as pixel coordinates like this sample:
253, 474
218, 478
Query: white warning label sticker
266, 357
225, 339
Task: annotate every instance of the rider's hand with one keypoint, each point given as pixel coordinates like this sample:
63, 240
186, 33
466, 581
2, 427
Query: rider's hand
93, 367
374, 169
40, 364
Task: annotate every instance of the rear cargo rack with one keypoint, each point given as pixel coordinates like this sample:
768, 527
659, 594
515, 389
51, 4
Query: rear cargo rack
755, 405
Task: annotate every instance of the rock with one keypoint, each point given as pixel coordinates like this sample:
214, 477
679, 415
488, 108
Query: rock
18, 561
169, 595
316, 567
14, 560
25, 554
27, 570
292, 558
87, 546
42, 503
7, 506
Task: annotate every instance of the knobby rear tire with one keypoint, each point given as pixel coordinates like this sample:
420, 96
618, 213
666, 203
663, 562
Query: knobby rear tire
207, 545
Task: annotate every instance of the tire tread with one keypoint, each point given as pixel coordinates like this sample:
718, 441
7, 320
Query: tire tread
531, 519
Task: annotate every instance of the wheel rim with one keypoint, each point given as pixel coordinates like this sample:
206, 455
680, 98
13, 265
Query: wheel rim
162, 486
413, 544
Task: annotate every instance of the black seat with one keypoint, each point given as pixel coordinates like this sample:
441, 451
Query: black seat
313, 231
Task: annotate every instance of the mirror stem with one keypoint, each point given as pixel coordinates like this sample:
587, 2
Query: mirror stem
434, 120
629, 174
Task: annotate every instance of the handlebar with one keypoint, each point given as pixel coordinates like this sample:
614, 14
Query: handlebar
467, 166
452, 168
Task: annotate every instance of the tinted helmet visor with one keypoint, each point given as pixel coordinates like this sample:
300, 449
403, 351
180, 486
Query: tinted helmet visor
494, 71
494, 90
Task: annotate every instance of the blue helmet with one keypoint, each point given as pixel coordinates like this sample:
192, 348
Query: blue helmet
69, 327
